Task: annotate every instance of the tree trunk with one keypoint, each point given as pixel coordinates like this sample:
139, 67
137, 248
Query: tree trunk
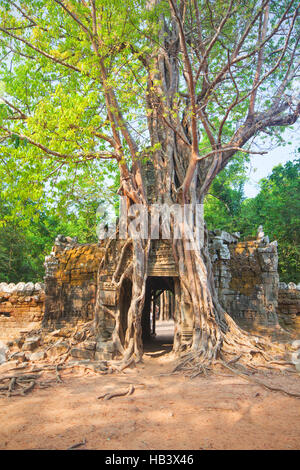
202, 328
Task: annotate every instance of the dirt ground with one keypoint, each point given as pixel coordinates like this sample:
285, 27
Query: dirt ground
164, 412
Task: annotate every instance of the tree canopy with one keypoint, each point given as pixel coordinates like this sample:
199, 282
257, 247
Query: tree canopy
84, 83
77, 78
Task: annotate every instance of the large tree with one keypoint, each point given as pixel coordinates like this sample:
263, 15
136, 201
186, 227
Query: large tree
184, 84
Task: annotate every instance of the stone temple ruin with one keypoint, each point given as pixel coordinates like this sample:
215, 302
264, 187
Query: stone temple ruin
245, 274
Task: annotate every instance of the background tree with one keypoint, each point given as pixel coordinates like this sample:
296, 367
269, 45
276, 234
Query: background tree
277, 207
223, 202
186, 83
27, 236
26, 240
24, 246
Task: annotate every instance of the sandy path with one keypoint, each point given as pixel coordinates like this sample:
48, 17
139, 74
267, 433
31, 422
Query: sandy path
164, 412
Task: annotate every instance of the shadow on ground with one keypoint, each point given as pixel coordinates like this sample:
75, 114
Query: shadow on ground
161, 343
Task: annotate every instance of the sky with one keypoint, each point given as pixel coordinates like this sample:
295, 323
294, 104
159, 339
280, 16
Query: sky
261, 166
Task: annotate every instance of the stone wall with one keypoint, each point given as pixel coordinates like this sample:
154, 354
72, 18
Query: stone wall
289, 306
71, 282
246, 279
245, 274
21, 308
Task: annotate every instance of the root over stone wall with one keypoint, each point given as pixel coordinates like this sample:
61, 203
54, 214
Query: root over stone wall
245, 275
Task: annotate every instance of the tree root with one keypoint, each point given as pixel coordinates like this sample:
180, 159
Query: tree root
79, 444
108, 396
259, 382
122, 365
192, 365
58, 378
21, 384
17, 385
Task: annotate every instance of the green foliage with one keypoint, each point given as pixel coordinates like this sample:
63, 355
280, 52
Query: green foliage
276, 207
55, 131
223, 203
25, 242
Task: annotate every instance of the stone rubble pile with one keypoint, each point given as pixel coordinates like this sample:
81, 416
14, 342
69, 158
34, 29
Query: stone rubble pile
55, 347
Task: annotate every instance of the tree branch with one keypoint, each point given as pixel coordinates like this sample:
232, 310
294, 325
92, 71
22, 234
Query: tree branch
40, 51
215, 37
261, 38
83, 156
191, 83
74, 17
234, 60
22, 115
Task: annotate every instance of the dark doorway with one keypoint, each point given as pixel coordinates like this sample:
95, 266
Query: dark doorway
125, 300
158, 315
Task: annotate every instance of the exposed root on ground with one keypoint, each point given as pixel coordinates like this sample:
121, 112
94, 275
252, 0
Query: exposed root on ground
13, 385
242, 353
78, 444
119, 393
256, 354
192, 367
37, 376
259, 382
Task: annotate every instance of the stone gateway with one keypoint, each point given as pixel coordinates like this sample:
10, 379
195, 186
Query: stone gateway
245, 275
